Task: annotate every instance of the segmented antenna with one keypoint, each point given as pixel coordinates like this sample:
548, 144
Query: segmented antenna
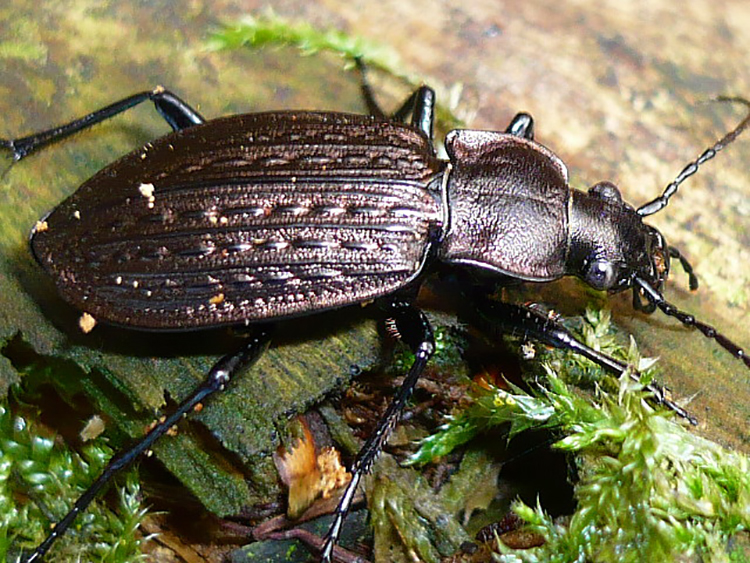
688, 320
661, 202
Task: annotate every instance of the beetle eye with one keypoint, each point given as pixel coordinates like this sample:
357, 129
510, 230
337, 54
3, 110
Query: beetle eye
606, 190
601, 274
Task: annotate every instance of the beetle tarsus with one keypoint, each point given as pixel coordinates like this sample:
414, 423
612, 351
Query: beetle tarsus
217, 378
415, 331
529, 323
373, 107
175, 112
10, 145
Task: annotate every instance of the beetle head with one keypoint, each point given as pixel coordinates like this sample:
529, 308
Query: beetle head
610, 246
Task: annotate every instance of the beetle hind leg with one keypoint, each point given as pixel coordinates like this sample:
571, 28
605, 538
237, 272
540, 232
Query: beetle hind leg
216, 380
177, 113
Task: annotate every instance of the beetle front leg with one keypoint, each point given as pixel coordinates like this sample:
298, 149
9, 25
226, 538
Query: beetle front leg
175, 112
414, 329
522, 125
531, 323
219, 376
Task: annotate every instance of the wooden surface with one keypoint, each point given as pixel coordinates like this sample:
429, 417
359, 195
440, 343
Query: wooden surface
616, 89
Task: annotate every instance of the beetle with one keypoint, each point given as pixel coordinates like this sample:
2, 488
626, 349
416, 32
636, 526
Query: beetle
249, 219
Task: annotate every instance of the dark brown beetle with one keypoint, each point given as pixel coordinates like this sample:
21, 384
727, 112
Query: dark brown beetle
255, 218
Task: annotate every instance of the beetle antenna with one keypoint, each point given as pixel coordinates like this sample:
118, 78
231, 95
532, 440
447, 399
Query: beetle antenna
657, 300
661, 202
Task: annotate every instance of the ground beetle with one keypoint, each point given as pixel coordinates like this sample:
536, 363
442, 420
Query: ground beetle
253, 218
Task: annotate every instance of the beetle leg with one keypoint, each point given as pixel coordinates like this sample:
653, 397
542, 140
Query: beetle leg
420, 105
414, 329
219, 376
177, 113
532, 323
522, 125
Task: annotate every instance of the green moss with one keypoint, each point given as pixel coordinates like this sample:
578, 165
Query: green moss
23, 42
40, 480
271, 30
274, 31
648, 488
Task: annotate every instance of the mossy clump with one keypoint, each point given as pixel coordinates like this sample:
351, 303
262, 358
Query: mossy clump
648, 489
40, 479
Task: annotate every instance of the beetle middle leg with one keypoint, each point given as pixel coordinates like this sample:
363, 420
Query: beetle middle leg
531, 323
177, 113
414, 329
420, 105
216, 380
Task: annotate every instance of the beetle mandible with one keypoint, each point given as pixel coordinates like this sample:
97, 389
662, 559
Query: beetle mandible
254, 218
